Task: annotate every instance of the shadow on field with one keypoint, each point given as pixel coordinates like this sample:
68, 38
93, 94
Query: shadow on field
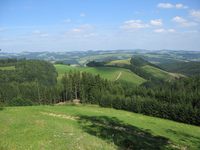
124, 136
184, 137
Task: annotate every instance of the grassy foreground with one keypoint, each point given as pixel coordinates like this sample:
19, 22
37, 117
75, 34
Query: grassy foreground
90, 127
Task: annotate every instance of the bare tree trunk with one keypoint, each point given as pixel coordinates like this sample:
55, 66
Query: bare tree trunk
66, 94
38, 90
76, 92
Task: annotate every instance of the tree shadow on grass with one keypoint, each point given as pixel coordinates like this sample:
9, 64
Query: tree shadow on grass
124, 136
186, 138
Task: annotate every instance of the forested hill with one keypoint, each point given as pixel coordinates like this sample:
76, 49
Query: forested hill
187, 68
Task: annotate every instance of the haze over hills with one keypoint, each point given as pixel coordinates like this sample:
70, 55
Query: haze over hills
184, 62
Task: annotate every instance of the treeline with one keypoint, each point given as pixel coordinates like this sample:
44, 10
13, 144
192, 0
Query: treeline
96, 64
87, 87
177, 101
8, 62
31, 82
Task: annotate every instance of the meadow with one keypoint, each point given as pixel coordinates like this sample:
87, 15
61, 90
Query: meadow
7, 68
91, 127
111, 73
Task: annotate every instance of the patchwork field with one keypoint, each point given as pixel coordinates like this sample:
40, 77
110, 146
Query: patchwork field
110, 73
90, 127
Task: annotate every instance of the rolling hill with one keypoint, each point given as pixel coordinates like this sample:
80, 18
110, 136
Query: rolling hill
146, 67
111, 73
91, 127
186, 68
119, 63
161, 74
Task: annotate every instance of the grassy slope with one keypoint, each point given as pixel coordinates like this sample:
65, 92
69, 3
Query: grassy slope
156, 72
110, 73
119, 62
7, 68
90, 127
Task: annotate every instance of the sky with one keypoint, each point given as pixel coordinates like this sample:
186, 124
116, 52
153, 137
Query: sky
64, 25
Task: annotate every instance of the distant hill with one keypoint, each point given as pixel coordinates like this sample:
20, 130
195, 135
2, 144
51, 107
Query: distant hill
111, 73
120, 63
186, 68
144, 68
161, 74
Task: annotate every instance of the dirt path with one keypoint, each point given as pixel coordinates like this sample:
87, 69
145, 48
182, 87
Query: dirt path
119, 75
61, 116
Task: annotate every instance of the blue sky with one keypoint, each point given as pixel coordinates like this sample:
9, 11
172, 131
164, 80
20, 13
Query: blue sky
63, 25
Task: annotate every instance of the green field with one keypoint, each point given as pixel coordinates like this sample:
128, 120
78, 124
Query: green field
7, 68
119, 62
111, 73
90, 127
161, 74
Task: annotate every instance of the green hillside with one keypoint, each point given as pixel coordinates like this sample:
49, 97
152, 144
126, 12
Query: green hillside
91, 127
7, 68
159, 73
120, 62
186, 68
146, 67
111, 73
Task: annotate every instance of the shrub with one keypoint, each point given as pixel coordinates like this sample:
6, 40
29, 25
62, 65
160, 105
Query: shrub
18, 101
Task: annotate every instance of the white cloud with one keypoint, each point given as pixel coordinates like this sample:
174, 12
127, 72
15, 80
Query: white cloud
171, 30
183, 22
82, 14
161, 30
195, 14
76, 30
180, 6
82, 31
165, 5
156, 22
169, 5
82, 28
67, 20
134, 24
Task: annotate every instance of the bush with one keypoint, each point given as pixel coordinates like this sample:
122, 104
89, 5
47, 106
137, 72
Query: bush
1, 106
21, 102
